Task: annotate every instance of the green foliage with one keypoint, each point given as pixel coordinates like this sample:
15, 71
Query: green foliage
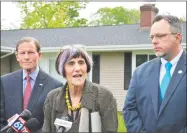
121, 123
182, 19
51, 14
115, 16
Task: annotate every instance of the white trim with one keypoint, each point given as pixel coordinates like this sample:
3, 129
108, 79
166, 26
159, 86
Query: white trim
57, 49
7, 49
133, 64
134, 53
119, 47
104, 48
90, 73
95, 48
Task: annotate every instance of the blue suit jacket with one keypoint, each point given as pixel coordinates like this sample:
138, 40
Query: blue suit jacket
142, 110
12, 94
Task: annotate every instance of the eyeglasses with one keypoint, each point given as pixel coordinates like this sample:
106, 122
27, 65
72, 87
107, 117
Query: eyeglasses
160, 36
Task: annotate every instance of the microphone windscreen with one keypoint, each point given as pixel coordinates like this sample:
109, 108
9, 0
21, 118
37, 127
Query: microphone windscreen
33, 125
26, 115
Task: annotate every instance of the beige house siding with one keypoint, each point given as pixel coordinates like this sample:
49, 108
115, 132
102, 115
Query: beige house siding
112, 75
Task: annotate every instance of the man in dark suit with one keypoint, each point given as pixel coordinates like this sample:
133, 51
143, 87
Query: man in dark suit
156, 99
26, 88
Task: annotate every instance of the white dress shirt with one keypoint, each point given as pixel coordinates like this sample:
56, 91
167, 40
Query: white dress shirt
174, 62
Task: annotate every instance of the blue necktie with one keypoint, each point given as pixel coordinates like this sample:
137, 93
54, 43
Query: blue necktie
165, 80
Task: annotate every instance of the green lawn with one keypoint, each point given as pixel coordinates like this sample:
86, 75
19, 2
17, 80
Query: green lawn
121, 123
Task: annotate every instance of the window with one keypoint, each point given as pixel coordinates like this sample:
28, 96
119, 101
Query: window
53, 72
152, 57
141, 58
96, 69
127, 69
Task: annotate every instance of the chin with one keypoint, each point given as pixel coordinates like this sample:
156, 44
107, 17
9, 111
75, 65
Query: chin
78, 83
160, 54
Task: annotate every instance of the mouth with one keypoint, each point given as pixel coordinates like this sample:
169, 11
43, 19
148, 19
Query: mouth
26, 62
157, 49
77, 75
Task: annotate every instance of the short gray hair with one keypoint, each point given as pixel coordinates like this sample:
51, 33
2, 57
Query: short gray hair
28, 39
172, 20
69, 52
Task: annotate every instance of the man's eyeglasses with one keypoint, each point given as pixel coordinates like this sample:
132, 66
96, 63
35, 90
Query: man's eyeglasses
160, 36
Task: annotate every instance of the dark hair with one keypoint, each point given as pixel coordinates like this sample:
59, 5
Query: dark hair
69, 52
28, 39
172, 20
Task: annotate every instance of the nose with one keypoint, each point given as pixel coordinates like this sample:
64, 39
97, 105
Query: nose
77, 67
26, 56
154, 41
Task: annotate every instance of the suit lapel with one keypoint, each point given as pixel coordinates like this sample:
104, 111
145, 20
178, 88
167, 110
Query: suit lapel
37, 89
175, 80
154, 82
17, 94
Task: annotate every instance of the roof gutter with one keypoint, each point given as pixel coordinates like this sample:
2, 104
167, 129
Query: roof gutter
101, 48
119, 47
57, 49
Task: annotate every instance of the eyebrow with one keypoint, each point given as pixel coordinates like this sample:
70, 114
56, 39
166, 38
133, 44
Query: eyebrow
74, 60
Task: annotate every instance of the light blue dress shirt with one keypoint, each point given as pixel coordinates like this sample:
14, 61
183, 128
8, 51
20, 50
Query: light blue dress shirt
33, 76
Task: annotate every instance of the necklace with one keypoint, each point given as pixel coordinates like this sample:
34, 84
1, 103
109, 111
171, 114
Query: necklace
68, 101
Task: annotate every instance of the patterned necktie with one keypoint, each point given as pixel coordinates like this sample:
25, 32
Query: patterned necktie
165, 80
27, 93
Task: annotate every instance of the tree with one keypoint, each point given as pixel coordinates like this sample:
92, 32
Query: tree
115, 16
182, 19
51, 14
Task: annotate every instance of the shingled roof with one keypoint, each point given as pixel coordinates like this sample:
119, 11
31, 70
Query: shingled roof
89, 36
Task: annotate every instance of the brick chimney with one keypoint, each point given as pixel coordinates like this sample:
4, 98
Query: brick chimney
148, 12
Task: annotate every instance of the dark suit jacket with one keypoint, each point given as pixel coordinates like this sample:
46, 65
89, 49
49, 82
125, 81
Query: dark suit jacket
142, 110
12, 97
95, 98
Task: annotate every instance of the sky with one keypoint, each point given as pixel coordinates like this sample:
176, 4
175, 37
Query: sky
11, 19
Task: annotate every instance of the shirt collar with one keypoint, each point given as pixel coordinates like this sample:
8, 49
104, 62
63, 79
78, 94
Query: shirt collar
33, 75
174, 60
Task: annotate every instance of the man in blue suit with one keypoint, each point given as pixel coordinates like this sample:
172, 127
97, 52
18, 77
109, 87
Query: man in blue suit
14, 85
156, 99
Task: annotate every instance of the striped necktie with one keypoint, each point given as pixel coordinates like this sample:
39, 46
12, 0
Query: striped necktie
165, 80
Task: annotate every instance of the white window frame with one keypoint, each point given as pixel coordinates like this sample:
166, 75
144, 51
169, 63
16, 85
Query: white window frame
139, 52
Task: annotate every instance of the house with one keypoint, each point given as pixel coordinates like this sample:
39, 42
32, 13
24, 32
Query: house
116, 50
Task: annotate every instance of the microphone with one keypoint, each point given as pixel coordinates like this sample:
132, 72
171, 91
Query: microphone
62, 125
17, 120
32, 125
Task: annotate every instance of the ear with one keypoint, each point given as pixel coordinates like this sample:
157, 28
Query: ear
40, 54
178, 38
17, 58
